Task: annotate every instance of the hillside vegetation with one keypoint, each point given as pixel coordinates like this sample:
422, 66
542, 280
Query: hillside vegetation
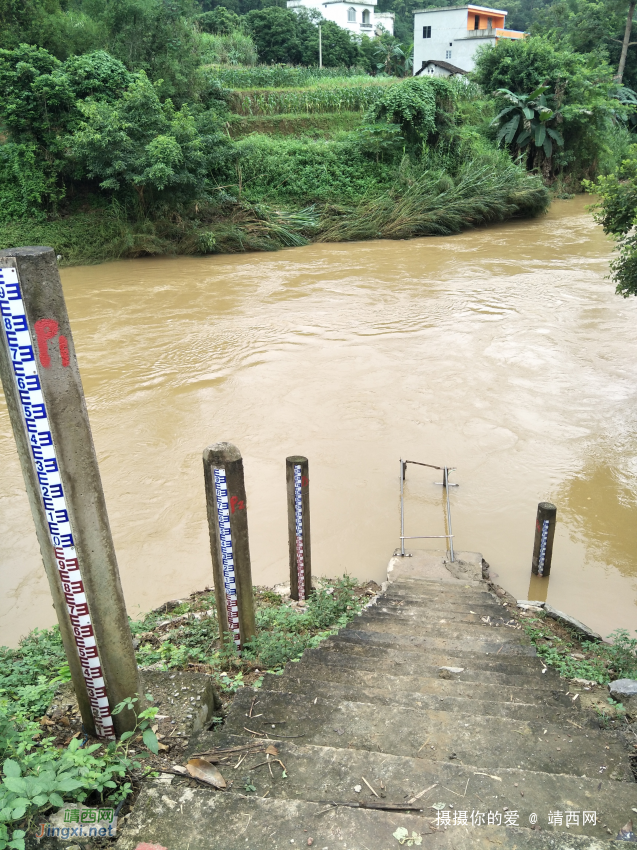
137, 127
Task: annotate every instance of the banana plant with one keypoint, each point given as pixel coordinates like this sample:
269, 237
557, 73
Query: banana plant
526, 120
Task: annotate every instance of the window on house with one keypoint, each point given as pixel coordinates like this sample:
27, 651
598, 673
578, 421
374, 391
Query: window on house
426, 32
365, 16
447, 54
351, 14
490, 23
476, 22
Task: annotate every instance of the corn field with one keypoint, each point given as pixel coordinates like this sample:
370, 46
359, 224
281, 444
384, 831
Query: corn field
277, 76
347, 96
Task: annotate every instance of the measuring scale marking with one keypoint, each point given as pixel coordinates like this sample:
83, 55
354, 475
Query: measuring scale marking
40, 438
298, 521
543, 540
227, 555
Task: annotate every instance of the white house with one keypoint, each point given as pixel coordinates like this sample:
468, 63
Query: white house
359, 18
452, 35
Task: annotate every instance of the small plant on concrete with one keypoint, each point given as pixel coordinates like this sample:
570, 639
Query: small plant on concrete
402, 837
143, 724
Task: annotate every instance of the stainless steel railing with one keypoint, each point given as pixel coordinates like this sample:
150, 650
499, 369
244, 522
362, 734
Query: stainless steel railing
446, 484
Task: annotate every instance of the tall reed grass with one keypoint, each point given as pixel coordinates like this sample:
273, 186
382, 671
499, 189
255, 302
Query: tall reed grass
436, 205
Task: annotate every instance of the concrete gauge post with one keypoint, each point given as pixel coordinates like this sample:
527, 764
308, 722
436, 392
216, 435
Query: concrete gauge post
229, 544
48, 414
297, 477
544, 534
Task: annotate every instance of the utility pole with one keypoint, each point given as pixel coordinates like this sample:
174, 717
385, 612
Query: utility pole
321, 45
626, 43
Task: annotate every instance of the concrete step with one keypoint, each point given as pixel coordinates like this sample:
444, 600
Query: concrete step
435, 589
518, 671
502, 642
442, 627
312, 687
183, 818
448, 610
325, 773
492, 742
432, 686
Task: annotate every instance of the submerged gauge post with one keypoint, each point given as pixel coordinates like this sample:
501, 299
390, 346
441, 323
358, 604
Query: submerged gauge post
297, 477
45, 399
229, 543
543, 543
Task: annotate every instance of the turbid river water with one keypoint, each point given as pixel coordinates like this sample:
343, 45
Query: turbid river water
503, 352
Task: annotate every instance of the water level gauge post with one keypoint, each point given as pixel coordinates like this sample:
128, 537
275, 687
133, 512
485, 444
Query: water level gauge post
226, 507
45, 399
543, 544
297, 477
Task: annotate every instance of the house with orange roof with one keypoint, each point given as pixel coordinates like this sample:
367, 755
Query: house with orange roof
446, 40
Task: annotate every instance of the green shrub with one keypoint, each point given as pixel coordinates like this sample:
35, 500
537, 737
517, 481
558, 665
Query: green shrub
308, 171
284, 633
28, 185
234, 48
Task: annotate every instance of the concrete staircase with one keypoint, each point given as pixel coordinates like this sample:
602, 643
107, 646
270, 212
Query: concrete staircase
500, 740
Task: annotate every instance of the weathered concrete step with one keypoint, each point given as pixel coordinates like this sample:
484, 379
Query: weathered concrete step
439, 609
476, 667
489, 741
501, 641
420, 684
424, 587
441, 627
326, 773
312, 687
182, 818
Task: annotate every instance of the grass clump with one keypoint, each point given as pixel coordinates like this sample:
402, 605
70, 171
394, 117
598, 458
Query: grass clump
596, 662
190, 639
435, 204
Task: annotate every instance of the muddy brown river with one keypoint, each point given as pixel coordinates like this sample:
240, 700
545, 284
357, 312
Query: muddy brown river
502, 352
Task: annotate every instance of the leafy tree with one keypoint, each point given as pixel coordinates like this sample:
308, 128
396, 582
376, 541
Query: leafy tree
617, 213
274, 32
283, 36
97, 75
219, 21
156, 36
137, 144
582, 94
36, 98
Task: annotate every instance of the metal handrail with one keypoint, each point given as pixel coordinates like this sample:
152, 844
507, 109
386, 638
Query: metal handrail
446, 484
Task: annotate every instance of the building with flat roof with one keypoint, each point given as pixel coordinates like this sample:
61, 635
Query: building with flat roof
359, 18
453, 35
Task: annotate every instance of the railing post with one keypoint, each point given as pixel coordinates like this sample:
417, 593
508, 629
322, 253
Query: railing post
543, 543
445, 483
48, 415
297, 478
229, 544
403, 469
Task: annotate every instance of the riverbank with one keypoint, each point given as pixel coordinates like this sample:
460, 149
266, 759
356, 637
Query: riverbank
419, 203
182, 635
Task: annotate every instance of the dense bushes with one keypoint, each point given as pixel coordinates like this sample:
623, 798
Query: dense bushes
580, 91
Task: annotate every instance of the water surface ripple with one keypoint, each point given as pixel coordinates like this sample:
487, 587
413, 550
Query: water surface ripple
503, 352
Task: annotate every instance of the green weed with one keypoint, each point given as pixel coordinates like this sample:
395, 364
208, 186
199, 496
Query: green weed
603, 664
